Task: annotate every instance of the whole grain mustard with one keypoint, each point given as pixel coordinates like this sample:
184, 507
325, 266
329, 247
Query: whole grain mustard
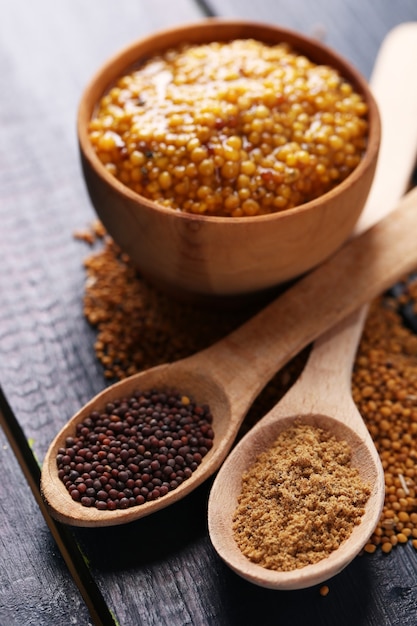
230, 129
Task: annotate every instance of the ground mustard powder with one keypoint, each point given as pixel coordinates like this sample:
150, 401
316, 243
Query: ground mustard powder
299, 500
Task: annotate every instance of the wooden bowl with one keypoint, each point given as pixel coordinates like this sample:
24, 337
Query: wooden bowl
203, 256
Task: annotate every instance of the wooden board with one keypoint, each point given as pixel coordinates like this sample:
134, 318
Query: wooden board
35, 587
355, 28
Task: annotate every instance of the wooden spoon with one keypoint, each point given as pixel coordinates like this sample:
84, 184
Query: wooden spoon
322, 394
321, 397
230, 374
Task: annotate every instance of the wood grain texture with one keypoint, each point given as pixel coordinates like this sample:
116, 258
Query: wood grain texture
35, 588
355, 28
161, 570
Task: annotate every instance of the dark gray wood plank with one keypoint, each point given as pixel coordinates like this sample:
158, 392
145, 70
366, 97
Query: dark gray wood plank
168, 560
47, 366
355, 28
160, 570
35, 588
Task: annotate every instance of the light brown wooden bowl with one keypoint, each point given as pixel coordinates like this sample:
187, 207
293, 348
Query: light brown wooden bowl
202, 256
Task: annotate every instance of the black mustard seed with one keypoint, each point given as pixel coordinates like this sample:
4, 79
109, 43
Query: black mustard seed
137, 450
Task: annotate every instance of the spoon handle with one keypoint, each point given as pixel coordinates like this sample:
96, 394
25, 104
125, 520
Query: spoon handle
394, 87
324, 386
253, 353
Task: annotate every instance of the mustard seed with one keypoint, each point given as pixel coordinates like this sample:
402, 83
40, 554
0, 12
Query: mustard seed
370, 548
384, 387
243, 129
124, 445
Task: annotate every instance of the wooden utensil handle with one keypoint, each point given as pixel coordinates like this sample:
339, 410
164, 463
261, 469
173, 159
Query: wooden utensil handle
394, 86
336, 349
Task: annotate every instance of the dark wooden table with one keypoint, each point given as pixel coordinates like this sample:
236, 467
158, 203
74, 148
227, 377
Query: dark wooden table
161, 570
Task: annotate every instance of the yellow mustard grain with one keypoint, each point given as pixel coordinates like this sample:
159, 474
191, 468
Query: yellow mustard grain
386, 547
370, 548
226, 110
384, 386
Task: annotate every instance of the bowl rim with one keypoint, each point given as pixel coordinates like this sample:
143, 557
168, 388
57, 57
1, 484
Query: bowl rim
134, 53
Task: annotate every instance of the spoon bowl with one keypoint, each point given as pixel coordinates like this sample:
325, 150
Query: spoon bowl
226, 488
191, 382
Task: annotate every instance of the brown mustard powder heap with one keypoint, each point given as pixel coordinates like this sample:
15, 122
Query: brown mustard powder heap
137, 328
299, 500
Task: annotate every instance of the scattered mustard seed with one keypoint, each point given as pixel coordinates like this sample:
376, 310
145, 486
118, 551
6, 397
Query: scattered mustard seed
139, 327
91, 234
324, 590
384, 386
